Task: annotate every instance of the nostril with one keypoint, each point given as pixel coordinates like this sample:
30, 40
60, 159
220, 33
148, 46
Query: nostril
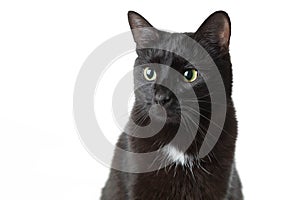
161, 99
166, 100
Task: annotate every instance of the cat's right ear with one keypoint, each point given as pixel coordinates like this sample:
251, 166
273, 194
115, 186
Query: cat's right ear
143, 32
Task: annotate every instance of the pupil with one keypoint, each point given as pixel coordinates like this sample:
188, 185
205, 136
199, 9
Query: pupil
150, 73
189, 75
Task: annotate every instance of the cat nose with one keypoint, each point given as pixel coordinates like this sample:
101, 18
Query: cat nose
162, 99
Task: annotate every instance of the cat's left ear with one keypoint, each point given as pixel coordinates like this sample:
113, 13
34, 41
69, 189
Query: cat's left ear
143, 32
216, 29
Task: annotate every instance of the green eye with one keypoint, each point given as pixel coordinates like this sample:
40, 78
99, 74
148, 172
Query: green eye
190, 75
149, 74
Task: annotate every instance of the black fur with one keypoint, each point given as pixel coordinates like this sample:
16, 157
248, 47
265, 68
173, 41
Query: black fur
216, 177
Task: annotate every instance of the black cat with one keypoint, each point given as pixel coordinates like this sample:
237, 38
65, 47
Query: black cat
187, 176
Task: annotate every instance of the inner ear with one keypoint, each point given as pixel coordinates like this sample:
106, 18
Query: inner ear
216, 29
137, 21
225, 33
143, 32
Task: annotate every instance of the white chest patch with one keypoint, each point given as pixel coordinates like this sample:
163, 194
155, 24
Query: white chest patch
176, 156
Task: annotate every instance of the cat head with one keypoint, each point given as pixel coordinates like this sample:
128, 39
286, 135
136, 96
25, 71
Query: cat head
157, 67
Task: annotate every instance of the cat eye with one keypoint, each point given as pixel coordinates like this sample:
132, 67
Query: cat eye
149, 74
190, 75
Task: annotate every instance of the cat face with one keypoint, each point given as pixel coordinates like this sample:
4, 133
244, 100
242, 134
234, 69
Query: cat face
155, 69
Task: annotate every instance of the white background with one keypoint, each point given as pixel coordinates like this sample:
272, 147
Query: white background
43, 45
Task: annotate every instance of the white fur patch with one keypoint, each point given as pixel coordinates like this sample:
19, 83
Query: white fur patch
176, 156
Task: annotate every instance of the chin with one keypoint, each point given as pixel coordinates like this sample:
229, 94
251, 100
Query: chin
171, 118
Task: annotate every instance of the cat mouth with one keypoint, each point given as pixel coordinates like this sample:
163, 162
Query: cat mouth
161, 114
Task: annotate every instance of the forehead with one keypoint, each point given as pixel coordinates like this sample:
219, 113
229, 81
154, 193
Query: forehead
176, 42
167, 50
177, 50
